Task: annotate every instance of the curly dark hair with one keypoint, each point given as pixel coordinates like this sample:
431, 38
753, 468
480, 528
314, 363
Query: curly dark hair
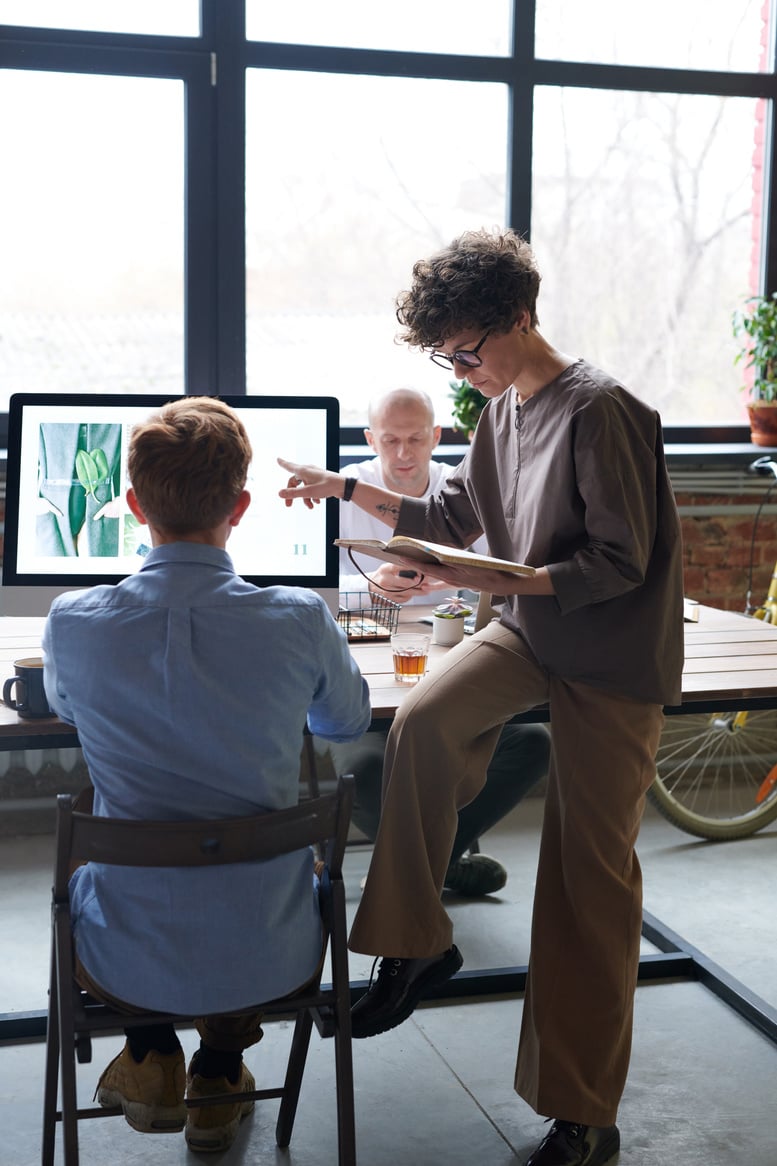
483, 280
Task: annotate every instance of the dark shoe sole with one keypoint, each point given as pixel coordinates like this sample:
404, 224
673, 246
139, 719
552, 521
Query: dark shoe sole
432, 977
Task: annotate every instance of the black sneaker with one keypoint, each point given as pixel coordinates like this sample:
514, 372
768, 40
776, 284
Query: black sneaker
571, 1144
475, 874
397, 991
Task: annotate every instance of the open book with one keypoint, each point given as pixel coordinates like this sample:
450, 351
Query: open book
403, 547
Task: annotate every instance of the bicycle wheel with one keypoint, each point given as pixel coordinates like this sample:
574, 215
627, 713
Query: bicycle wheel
717, 773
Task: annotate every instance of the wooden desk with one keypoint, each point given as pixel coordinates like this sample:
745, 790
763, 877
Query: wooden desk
731, 663
20, 637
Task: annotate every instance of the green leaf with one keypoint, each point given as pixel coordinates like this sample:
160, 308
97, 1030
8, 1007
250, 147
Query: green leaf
101, 463
756, 329
468, 404
87, 471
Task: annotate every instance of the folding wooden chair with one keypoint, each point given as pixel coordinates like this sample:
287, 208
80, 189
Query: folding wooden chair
74, 1016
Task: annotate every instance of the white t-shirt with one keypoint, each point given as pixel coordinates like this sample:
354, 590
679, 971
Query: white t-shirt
357, 523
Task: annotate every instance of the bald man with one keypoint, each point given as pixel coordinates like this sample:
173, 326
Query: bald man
403, 434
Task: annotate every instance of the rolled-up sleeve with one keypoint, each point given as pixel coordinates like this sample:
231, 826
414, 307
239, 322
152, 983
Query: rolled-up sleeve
446, 517
56, 698
340, 710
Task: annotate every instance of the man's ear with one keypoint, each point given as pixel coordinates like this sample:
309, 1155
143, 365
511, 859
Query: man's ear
369, 438
240, 507
134, 505
523, 323
437, 435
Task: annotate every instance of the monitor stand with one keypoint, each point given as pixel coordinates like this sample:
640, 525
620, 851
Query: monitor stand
16, 601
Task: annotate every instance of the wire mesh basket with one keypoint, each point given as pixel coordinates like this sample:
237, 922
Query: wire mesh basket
374, 621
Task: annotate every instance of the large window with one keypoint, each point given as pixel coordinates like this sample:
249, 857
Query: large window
433, 26
91, 233
170, 17
227, 196
334, 225
642, 220
691, 34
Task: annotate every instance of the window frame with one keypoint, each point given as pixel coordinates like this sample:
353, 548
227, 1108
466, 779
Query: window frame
213, 68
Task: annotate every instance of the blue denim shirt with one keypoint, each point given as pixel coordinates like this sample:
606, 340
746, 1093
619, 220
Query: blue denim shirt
189, 689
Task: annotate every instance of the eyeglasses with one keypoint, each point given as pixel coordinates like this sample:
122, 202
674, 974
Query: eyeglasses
468, 357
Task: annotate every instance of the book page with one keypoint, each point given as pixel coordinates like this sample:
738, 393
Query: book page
401, 547
447, 554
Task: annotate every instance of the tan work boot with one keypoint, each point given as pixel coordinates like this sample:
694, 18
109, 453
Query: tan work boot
214, 1127
150, 1094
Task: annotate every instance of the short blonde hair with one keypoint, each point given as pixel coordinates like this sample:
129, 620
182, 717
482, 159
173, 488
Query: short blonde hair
188, 464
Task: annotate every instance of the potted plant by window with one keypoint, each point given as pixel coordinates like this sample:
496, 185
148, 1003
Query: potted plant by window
756, 329
468, 404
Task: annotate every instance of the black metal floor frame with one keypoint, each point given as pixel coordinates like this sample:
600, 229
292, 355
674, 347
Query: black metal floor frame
675, 960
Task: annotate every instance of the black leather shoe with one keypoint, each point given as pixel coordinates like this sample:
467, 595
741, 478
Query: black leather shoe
396, 991
570, 1144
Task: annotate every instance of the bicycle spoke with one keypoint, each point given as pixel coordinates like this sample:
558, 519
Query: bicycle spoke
717, 775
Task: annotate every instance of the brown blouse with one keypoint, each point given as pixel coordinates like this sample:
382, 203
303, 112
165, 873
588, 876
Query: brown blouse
575, 479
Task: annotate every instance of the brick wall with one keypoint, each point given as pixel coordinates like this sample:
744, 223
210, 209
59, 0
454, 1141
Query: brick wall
716, 549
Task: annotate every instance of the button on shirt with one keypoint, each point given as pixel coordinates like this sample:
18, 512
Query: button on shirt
189, 689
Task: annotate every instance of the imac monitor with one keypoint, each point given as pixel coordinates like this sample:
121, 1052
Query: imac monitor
67, 524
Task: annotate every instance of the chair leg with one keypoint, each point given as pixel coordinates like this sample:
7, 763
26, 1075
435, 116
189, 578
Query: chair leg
67, 1062
52, 1074
293, 1083
69, 1105
346, 1122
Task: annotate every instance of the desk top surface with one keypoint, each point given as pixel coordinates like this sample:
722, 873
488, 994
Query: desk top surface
727, 658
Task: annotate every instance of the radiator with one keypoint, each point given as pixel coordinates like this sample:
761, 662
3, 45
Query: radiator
30, 779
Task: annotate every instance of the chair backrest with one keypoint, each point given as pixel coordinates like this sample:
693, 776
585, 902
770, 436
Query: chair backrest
74, 1016
129, 842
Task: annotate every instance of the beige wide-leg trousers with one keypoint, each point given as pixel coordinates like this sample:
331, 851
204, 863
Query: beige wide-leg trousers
576, 1033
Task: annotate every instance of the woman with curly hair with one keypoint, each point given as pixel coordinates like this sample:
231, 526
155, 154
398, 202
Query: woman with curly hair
566, 473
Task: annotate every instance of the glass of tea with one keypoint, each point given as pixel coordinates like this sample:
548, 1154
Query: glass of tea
410, 651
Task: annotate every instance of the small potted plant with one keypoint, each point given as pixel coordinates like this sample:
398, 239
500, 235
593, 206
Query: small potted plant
448, 620
468, 404
756, 329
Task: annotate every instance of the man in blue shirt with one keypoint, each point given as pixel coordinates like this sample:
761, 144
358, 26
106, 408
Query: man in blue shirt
189, 689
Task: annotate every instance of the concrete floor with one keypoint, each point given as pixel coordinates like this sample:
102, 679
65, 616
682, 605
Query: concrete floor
438, 1090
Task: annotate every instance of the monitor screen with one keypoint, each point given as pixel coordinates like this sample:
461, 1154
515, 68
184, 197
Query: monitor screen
67, 523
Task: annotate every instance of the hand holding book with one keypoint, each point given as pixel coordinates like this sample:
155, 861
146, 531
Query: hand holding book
403, 547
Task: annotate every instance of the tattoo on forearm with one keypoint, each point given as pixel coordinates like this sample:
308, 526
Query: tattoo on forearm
385, 508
